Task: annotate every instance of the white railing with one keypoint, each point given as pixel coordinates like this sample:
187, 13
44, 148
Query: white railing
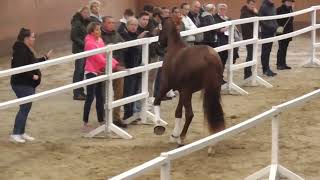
145, 67
275, 169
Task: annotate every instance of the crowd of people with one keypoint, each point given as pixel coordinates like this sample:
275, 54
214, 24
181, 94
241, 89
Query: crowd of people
91, 30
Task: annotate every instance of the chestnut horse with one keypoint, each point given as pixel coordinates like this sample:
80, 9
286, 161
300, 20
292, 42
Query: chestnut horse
189, 69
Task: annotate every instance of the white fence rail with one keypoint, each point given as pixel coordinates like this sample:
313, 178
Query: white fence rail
145, 67
167, 157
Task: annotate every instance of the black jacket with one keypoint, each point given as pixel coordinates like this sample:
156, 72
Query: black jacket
281, 22
247, 29
78, 32
133, 55
209, 37
113, 38
222, 38
195, 18
22, 55
267, 9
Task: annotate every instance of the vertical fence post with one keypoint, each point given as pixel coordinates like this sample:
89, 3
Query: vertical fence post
313, 36
275, 140
255, 51
274, 175
144, 83
165, 171
108, 93
230, 58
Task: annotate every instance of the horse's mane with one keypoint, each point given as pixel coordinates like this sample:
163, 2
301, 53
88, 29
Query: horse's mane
173, 23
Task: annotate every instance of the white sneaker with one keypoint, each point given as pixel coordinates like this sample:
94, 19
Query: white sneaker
17, 139
27, 137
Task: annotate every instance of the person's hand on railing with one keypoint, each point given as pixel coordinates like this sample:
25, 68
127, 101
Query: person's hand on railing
119, 68
35, 77
223, 29
143, 34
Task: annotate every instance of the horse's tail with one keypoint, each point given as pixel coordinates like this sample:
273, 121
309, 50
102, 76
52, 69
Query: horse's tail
212, 107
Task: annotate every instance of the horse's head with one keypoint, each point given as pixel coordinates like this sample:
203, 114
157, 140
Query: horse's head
170, 29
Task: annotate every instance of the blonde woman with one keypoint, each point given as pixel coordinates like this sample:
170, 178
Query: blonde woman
95, 6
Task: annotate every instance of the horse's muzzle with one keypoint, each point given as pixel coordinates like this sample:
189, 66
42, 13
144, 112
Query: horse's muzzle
159, 130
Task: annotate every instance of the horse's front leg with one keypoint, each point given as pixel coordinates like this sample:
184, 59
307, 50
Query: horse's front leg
188, 114
159, 129
175, 136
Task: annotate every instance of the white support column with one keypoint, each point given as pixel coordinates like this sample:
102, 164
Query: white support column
230, 84
109, 127
165, 169
144, 83
313, 61
255, 80
275, 169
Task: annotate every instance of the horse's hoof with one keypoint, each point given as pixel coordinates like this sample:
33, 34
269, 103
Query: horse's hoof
180, 145
159, 130
211, 151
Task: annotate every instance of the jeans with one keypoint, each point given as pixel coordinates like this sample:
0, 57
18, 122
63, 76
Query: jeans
247, 70
94, 91
22, 115
132, 86
78, 75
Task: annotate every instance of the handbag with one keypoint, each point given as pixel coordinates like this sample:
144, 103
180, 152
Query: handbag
280, 29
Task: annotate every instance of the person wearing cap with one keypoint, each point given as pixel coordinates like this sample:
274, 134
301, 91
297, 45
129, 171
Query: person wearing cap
287, 24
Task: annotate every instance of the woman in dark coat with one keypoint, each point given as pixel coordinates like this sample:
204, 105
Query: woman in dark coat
287, 23
79, 24
132, 58
24, 84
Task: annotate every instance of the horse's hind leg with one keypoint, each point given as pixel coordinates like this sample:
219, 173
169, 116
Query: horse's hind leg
175, 136
188, 114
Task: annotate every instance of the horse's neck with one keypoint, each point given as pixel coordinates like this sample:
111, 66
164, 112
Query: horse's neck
176, 44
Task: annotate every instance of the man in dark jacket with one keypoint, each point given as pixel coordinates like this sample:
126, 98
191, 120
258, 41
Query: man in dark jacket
268, 29
110, 36
194, 13
287, 24
79, 24
247, 11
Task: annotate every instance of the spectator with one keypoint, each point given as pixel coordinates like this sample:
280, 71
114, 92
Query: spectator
268, 29
247, 11
194, 15
95, 66
153, 57
210, 37
177, 12
223, 34
148, 9
165, 12
79, 24
287, 24
24, 84
144, 25
187, 22
110, 36
95, 11
133, 58
123, 21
